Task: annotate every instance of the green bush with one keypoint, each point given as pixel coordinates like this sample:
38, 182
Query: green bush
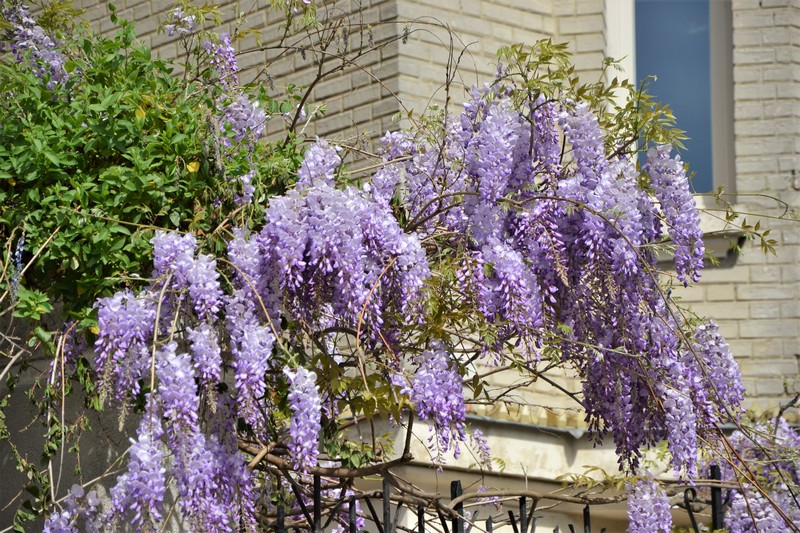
123, 147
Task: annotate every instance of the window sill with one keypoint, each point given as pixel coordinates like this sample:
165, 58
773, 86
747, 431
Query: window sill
720, 238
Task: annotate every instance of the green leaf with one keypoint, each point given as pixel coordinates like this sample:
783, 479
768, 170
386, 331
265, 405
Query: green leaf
31, 304
53, 158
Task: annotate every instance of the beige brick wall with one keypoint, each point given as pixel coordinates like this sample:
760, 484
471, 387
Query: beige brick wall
756, 301
582, 24
478, 29
412, 73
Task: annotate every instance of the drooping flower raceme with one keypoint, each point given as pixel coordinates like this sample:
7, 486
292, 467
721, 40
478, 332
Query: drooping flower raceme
588, 144
79, 506
243, 120
480, 443
177, 395
769, 452
181, 23
671, 188
204, 287
209, 477
248, 189
306, 407
123, 353
334, 247
319, 163
29, 42
436, 391
509, 293
222, 57
174, 261
388, 177
255, 276
648, 507
251, 346
490, 153
138, 496
213, 486
173, 254
206, 354
16, 267
721, 375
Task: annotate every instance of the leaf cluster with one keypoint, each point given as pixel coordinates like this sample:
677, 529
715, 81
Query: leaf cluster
122, 148
631, 117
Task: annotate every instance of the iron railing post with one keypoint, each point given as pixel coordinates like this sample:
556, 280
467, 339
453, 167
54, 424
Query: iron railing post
717, 512
455, 492
387, 506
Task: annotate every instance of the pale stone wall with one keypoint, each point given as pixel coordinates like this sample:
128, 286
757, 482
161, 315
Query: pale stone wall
478, 28
582, 23
757, 302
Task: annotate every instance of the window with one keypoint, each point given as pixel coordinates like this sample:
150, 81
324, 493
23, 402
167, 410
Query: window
687, 45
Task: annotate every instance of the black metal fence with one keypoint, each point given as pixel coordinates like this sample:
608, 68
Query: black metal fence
717, 511
521, 522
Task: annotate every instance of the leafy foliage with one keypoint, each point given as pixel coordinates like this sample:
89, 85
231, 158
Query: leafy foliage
122, 148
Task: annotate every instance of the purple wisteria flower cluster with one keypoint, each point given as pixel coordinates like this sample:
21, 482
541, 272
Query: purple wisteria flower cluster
648, 507
126, 323
438, 397
306, 409
342, 521
297, 6
222, 57
79, 508
240, 121
175, 263
487, 240
243, 120
251, 345
181, 23
209, 474
319, 165
480, 444
671, 188
339, 248
562, 252
716, 375
30, 43
16, 267
138, 497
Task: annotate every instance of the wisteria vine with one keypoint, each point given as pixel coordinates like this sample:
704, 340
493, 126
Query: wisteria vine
564, 263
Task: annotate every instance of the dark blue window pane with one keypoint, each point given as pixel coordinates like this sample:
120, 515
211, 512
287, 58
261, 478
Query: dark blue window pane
672, 43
